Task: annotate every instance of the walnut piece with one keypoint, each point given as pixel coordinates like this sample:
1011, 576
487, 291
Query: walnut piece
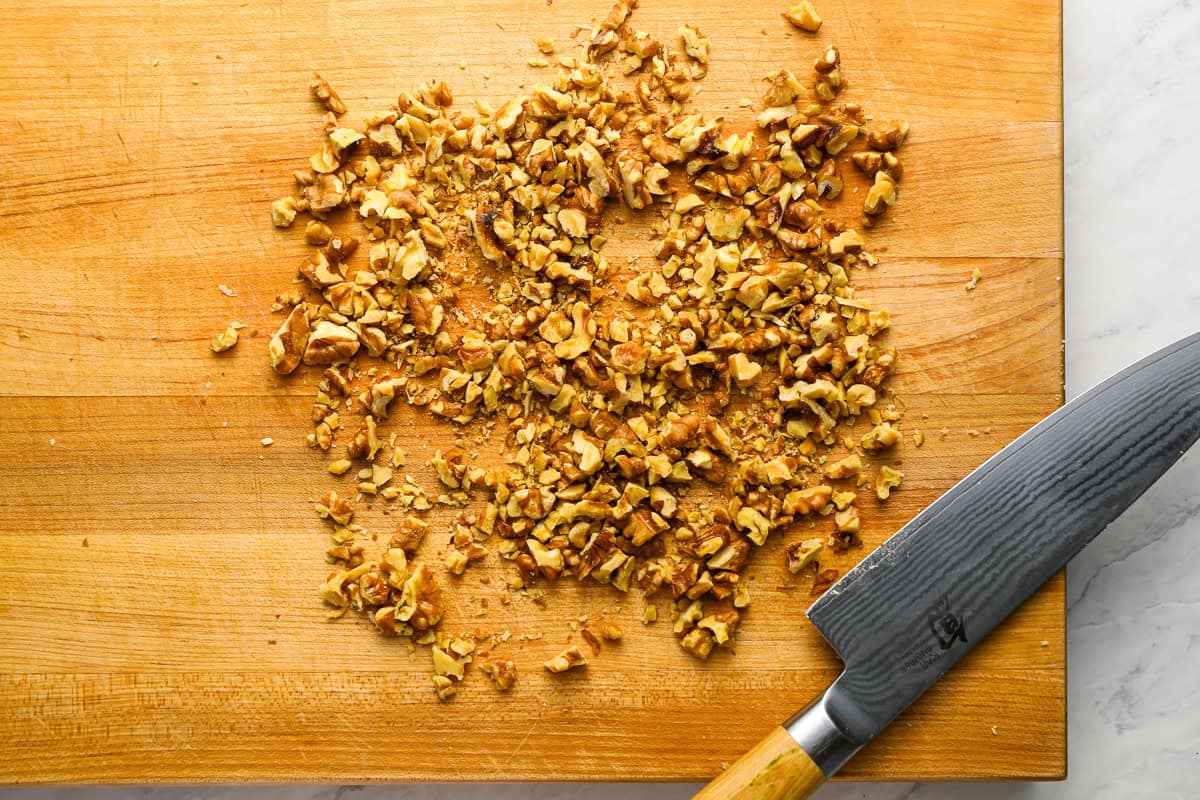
226, 339
420, 600
287, 345
889, 478
502, 671
324, 94
444, 687
845, 468
804, 16
283, 212
329, 343
881, 195
802, 553
569, 658
694, 44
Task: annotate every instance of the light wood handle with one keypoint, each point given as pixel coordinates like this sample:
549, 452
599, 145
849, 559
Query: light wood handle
774, 769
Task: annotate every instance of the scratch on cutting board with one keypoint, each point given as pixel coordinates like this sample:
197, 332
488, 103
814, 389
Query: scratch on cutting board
931, 72
866, 42
188, 234
974, 59
124, 147
238, 204
537, 722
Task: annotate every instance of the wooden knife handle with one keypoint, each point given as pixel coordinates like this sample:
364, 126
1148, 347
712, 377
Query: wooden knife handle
774, 769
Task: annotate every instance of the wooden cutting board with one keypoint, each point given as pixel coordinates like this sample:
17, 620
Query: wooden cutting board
159, 619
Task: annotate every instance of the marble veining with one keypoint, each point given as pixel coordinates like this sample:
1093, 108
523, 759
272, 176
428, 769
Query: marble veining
1132, 75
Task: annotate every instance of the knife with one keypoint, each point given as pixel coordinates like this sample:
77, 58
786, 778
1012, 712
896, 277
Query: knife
912, 608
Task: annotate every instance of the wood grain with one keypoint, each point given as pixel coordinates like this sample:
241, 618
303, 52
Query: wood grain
158, 613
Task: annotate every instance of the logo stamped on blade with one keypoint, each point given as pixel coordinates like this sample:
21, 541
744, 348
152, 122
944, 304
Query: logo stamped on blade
945, 624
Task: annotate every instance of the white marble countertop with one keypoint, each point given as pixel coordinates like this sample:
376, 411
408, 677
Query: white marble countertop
1132, 75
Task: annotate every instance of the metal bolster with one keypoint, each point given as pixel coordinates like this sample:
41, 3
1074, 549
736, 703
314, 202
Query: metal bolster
815, 730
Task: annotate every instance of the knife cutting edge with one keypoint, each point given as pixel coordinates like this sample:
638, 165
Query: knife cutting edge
912, 608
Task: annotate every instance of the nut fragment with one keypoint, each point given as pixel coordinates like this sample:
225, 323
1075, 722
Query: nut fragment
610, 631
976, 277
444, 687
287, 345
881, 437
226, 339
502, 671
725, 224
325, 95
845, 468
881, 195
802, 553
283, 212
743, 371
889, 478
335, 508
694, 44
804, 16
698, 642
330, 344
420, 600
887, 135
570, 658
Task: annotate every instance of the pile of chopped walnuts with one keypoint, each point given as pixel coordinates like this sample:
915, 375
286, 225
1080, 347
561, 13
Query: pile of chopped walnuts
739, 359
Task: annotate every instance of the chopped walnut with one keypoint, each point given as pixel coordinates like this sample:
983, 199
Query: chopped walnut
744, 371
725, 224
329, 343
889, 478
887, 135
283, 212
326, 96
502, 671
804, 16
410, 534
881, 437
335, 508
806, 501
444, 687
847, 467
881, 195
420, 600
847, 520
695, 45
802, 553
610, 631
600, 391
976, 277
698, 642
288, 344
226, 339
570, 658
721, 625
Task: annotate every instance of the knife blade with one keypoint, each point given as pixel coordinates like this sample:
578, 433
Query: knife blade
916, 605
